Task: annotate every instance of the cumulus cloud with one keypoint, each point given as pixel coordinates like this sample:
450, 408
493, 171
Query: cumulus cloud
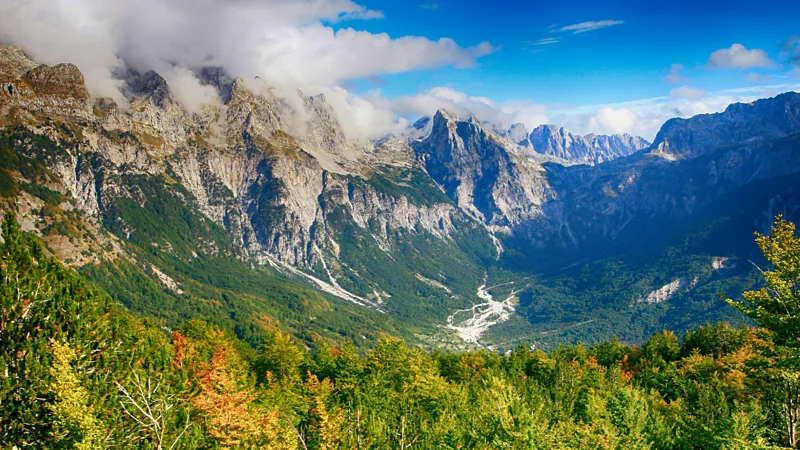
645, 117
287, 43
738, 57
486, 110
583, 27
687, 92
674, 75
613, 120
188, 89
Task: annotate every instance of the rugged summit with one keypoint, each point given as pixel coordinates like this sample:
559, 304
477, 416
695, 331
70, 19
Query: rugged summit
485, 176
764, 119
590, 149
518, 133
287, 187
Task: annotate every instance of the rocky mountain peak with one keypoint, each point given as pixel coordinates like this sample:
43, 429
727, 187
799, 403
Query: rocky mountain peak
422, 123
763, 119
14, 63
148, 85
63, 80
589, 149
443, 115
219, 78
318, 99
483, 173
519, 134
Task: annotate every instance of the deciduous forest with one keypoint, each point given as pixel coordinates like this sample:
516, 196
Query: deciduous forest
78, 371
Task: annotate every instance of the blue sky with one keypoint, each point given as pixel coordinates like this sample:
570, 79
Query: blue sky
614, 64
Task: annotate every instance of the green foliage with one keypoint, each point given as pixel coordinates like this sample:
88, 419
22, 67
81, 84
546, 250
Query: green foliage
412, 183
97, 377
40, 302
777, 305
75, 419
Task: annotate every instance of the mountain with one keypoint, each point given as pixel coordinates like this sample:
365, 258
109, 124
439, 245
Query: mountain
589, 149
765, 119
257, 212
518, 133
235, 185
483, 174
616, 145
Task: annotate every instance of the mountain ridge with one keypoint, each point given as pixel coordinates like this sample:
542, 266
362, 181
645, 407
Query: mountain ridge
404, 230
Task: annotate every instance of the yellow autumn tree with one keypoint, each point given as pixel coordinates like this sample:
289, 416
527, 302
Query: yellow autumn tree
75, 418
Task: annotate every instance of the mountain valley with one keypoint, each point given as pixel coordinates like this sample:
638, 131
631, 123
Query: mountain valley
257, 211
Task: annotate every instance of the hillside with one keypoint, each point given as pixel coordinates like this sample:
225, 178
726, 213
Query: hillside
257, 212
79, 372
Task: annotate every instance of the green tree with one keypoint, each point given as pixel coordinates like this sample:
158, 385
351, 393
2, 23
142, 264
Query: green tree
76, 420
42, 302
776, 307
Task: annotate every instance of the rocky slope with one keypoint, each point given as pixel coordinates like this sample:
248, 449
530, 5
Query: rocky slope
195, 204
661, 187
286, 186
486, 176
740, 123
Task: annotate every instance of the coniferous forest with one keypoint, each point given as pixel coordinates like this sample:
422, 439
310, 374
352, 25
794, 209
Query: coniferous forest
78, 371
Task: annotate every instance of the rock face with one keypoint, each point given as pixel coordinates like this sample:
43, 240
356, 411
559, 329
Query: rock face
669, 290
519, 135
590, 149
765, 119
661, 187
269, 174
616, 145
371, 221
486, 177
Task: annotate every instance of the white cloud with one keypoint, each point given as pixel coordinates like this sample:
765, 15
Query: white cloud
674, 76
188, 90
545, 41
650, 114
502, 114
738, 57
641, 117
285, 42
613, 120
758, 78
583, 27
687, 92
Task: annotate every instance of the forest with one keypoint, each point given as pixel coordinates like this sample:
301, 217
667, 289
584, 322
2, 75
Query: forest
77, 370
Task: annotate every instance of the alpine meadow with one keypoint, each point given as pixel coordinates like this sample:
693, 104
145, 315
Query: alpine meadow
345, 224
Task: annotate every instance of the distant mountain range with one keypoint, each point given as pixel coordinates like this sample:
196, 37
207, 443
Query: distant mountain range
251, 213
566, 147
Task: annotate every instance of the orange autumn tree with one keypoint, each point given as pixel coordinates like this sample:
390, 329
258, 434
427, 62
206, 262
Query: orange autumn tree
230, 407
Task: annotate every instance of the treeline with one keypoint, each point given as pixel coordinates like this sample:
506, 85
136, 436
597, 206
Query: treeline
78, 372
